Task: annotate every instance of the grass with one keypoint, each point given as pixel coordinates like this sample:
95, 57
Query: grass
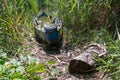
83, 20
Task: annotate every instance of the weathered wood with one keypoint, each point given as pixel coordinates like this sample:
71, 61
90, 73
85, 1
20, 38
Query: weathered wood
85, 62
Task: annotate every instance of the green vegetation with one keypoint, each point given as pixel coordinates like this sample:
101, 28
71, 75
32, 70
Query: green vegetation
83, 20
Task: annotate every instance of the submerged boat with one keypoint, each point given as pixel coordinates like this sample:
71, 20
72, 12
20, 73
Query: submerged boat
47, 29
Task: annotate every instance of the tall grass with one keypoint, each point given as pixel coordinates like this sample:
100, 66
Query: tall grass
81, 16
83, 21
16, 18
92, 21
16, 23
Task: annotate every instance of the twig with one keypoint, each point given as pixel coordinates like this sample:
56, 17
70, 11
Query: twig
57, 59
49, 71
6, 6
117, 31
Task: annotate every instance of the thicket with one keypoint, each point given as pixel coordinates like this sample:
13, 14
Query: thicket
83, 21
